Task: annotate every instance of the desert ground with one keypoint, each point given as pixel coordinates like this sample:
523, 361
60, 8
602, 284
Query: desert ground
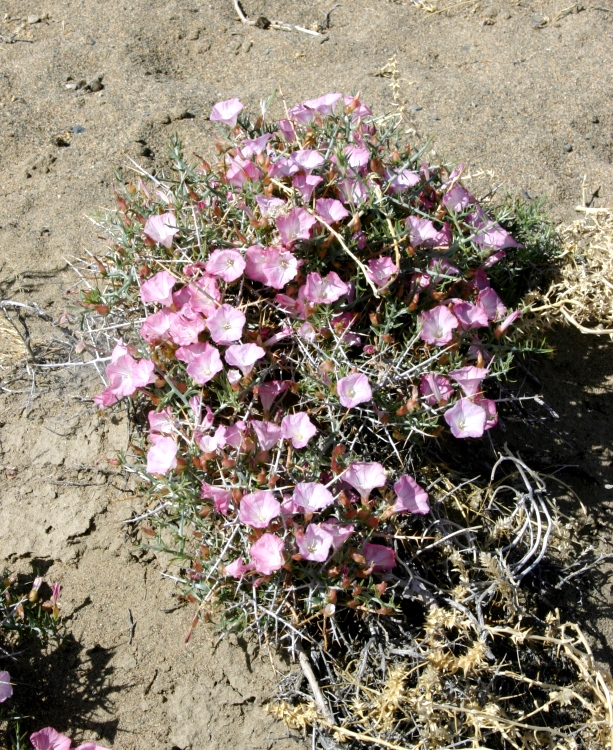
521, 91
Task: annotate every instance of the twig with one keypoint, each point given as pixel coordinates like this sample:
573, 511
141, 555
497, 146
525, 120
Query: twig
132, 626
320, 702
264, 23
583, 329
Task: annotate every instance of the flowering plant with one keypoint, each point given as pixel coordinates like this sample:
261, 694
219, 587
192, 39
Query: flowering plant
298, 321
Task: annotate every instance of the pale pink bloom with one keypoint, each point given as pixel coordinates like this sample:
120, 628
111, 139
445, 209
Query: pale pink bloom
189, 352
205, 366
90, 746
258, 509
492, 304
379, 557
340, 532
155, 327
352, 191
458, 199
185, 326
480, 281
244, 356
402, 180
55, 593
305, 184
436, 389
466, 419
106, 398
325, 104
158, 288
488, 233
310, 497
469, 316
283, 333
226, 324
491, 413
358, 109
315, 543
301, 114
267, 554
50, 739
126, 375
507, 321
381, 270
357, 156
161, 228
437, 325
253, 146
330, 210
211, 443
226, 112
307, 159
307, 332
269, 206
441, 268
268, 433
298, 428
234, 433
410, 497
353, 390
469, 378
255, 257
279, 267
221, 497
234, 376
162, 456
287, 130
476, 348
324, 291
494, 258
6, 689
237, 568
240, 171
269, 391
226, 264
160, 423
204, 295
423, 232
296, 225
364, 476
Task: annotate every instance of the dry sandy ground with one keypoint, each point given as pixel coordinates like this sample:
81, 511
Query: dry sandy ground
521, 88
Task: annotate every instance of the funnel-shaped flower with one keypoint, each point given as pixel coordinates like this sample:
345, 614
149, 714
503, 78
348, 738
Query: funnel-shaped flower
437, 325
305, 184
315, 543
237, 568
296, 225
185, 326
127, 374
255, 257
221, 497
50, 739
279, 267
226, 324
466, 419
244, 356
258, 509
353, 390
423, 232
155, 327
325, 104
324, 291
311, 497
470, 316
226, 112
298, 428
6, 689
161, 228
436, 389
330, 210
158, 288
268, 433
162, 456
340, 532
381, 270
364, 476
469, 378
379, 557
267, 554
226, 264
269, 206
270, 390
410, 497
307, 159
491, 303
206, 365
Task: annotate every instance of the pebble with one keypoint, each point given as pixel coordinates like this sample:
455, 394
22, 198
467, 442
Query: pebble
436, 117
567, 147
34, 19
416, 108
595, 119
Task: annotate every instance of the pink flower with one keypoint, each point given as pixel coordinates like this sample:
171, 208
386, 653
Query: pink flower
287, 130
126, 374
307, 332
226, 324
234, 376
237, 568
185, 326
466, 419
357, 156
469, 378
379, 557
469, 316
226, 112
234, 433
491, 413
340, 532
352, 191
330, 210
296, 225
488, 233
221, 497
244, 356
155, 327
269, 206
310, 497
161, 228
267, 554
160, 423
410, 497
240, 171
49, 739
356, 108
441, 268
458, 199
226, 264
270, 390
189, 352
324, 291
315, 543
307, 159
106, 398
211, 443
90, 746
381, 270
436, 388
298, 428
423, 232
162, 456
305, 184
255, 257
507, 322
205, 366
325, 104
491, 303
158, 288
204, 294
6, 689
283, 167
279, 267
253, 146
364, 477
437, 326
402, 180
258, 509
268, 433
283, 333
353, 390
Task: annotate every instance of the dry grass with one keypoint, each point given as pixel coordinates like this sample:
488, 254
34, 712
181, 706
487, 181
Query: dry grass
12, 348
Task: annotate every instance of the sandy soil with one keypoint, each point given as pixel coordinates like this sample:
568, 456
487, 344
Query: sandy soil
522, 89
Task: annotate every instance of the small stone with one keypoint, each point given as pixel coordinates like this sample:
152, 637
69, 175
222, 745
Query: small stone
595, 119
78, 129
567, 147
436, 117
267, 52
247, 46
72, 86
34, 19
416, 108
60, 140
96, 86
